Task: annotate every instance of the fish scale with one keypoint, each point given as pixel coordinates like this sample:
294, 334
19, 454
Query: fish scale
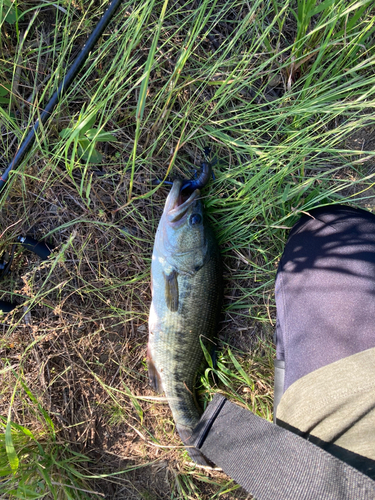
186, 298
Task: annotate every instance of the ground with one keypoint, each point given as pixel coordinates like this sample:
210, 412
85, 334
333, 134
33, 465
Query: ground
73, 352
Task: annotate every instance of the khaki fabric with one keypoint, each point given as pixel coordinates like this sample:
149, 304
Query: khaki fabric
336, 404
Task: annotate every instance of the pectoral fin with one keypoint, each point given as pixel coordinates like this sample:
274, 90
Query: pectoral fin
171, 290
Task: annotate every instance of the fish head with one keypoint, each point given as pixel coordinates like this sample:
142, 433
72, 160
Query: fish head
182, 232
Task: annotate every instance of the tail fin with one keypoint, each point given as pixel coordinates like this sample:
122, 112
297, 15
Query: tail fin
198, 457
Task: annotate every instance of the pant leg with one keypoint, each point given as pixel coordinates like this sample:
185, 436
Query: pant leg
325, 290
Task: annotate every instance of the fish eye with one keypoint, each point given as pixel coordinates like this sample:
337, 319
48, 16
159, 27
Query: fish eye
195, 219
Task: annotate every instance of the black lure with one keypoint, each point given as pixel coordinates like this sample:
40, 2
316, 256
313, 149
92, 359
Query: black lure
202, 179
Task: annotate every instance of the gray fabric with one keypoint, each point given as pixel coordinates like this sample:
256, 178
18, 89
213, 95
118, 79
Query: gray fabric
325, 290
272, 463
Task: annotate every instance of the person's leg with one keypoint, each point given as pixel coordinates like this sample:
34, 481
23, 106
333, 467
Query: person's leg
325, 290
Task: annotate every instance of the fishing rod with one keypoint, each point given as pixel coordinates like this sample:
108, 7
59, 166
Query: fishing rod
62, 88
38, 247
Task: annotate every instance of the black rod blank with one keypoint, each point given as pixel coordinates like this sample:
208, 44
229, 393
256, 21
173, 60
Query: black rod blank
62, 88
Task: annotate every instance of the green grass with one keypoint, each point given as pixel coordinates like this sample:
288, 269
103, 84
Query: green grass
283, 92
36, 464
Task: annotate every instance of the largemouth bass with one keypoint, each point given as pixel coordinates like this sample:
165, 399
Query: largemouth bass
186, 288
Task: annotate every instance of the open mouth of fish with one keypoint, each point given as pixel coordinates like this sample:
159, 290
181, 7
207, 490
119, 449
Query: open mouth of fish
179, 202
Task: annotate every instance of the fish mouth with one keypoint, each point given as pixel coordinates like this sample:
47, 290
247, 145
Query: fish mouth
178, 202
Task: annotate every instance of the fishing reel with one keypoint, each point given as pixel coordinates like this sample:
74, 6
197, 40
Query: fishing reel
38, 247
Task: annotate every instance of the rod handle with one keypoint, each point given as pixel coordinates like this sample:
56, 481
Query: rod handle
38, 247
6, 306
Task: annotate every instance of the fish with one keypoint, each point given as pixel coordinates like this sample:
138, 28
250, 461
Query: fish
186, 285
